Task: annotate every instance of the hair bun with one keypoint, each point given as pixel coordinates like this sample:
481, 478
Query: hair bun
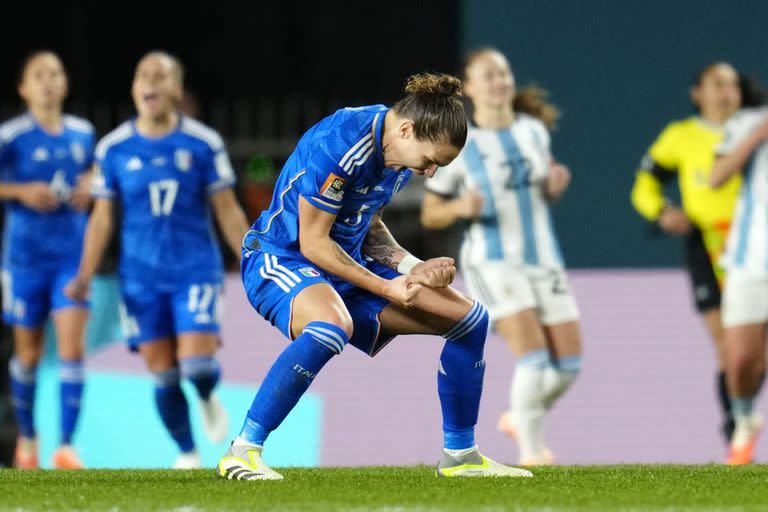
431, 83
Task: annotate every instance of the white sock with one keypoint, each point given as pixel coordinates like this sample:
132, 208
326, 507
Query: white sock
527, 403
239, 441
556, 382
460, 453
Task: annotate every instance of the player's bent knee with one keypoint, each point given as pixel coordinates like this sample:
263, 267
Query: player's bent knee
331, 336
476, 320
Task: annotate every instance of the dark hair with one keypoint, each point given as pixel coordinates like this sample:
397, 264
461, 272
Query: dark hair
29, 58
434, 103
531, 99
180, 71
752, 93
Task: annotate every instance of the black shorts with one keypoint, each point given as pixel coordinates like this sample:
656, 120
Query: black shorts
705, 287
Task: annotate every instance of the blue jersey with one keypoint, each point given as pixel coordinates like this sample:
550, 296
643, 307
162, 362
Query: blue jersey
164, 185
28, 153
338, 167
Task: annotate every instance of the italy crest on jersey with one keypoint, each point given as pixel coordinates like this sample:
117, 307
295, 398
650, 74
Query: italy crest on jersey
183, 159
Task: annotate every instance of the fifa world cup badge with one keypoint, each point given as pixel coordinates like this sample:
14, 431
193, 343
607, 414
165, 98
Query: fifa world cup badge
333, 188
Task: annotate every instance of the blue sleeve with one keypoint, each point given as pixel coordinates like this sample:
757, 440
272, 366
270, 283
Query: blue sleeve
324, 182
89, 151
105, 184
219, 173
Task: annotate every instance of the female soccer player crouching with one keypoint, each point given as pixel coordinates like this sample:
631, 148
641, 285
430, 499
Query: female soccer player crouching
47, 156
503, 182
745, 296
167, 171
322, 267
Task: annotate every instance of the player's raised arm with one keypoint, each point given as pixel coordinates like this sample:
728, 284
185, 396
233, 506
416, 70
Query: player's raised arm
736, 154
317, 246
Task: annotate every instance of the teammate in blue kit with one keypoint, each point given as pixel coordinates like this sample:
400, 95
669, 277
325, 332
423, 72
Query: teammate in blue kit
167, 170
322, 267
44, 158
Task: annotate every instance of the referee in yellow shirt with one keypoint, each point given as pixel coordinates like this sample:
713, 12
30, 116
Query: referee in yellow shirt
686, 150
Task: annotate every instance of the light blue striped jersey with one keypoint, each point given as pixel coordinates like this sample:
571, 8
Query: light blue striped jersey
509, 168
337, 167
747, 245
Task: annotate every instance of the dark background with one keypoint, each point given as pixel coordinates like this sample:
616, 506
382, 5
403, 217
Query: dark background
262, 73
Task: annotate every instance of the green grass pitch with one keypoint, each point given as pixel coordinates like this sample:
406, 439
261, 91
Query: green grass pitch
393, 489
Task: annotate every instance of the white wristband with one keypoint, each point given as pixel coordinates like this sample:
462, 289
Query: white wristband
406, 264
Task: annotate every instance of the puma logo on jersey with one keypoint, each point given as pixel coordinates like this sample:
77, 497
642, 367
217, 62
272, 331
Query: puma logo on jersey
134, 164
40, 155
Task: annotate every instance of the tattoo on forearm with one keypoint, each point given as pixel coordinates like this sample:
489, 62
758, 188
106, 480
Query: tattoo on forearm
380, 246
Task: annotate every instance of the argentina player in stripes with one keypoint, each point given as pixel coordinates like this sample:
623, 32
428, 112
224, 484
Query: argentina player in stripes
170, 173
322, 267
745, 295
503, 182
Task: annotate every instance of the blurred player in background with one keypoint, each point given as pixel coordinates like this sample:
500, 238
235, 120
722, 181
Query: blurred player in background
686, 150
168, 171
745, 296
502, 184
45, 156
322, 267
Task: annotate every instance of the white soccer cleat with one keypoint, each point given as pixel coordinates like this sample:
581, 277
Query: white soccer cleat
189, 460
244, 462
215, 419
475, 464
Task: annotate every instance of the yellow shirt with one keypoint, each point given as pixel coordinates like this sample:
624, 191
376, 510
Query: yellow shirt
687, 148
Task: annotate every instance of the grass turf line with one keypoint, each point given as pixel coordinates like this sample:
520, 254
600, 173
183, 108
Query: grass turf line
393, 489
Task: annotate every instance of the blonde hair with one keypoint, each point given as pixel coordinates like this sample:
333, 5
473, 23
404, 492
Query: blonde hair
531, 99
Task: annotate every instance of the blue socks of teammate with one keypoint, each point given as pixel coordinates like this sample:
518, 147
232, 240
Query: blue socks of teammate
173, 408
290, 376
203, 371
460, 378
71, 375
23, 383
23, 380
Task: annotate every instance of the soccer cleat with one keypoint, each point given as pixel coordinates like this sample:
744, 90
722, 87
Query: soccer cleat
65, 457
25, 456
506, 425
475, 464
744, 440
215, 419
244, 462
189, 460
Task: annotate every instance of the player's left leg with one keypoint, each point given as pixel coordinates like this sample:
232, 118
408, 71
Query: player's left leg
70, 325
464, 325
196, 309
196, 353
745, 316
69, 319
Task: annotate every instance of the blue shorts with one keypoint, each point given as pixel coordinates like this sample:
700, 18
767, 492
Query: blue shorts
149, 313
29, 296
272, 283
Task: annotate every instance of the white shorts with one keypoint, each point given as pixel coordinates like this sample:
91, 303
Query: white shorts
507, 289
745, 297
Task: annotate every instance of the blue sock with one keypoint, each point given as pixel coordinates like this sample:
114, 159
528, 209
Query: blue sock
742, 406
290, 376
173, 408
71, 377
23, 380
460, 378
203, 371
